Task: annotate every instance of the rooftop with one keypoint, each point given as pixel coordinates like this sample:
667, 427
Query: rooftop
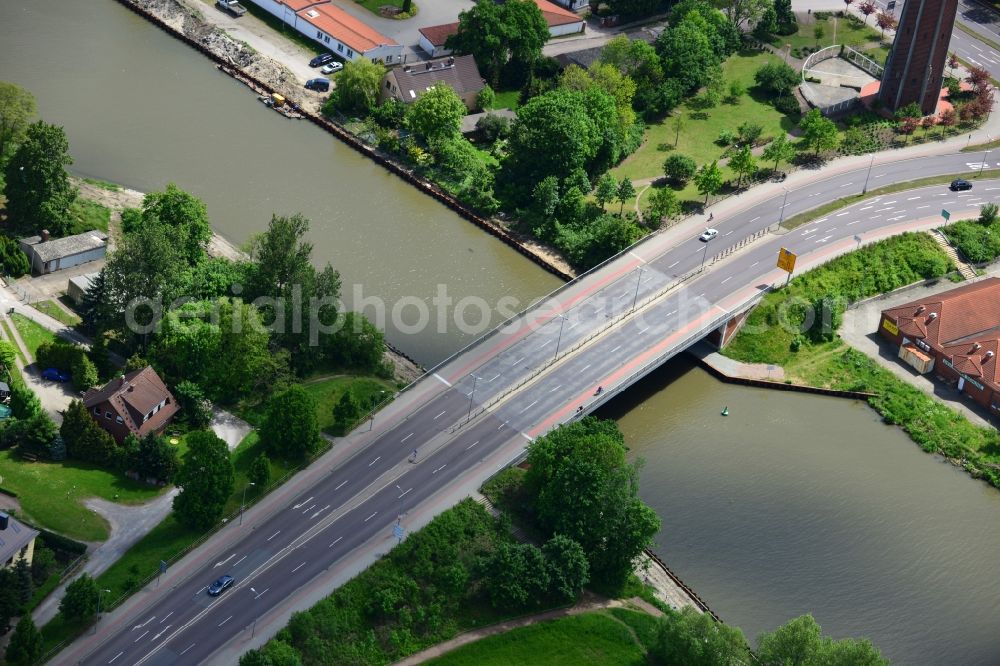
438, 34
963, 323
556, 15
67, 246
14, 538
340, 25
133, 396
459, 72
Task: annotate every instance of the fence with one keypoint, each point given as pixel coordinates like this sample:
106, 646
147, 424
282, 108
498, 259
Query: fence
862, 61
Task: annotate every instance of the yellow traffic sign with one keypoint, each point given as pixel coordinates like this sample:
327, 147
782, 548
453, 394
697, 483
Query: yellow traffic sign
786, 260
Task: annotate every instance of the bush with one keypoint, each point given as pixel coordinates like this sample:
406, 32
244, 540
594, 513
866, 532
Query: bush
776, 78
679, 168
727, 137
786, 104
978, 243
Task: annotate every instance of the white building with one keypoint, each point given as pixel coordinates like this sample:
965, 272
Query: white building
345, 36
47, 255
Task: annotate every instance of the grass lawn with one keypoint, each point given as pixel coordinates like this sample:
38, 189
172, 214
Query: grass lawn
590, 638
374, 5
87, 216
53, 310
51, 494
33, 334
507, 99
10, 337
701, 129
835, 31
103, 184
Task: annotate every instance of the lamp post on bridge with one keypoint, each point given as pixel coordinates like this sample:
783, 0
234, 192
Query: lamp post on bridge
562, 323
475, 380
784, 201
638, 281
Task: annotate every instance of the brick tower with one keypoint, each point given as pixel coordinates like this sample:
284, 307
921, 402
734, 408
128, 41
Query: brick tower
915, 69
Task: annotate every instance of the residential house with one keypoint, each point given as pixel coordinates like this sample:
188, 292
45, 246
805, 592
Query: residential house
137, 403
344, 35
17, 541
955, 335
560, 21
409, 82
47, 255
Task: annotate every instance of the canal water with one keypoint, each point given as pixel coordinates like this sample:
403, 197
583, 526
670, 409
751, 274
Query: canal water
792, 504
796, 503
142, 109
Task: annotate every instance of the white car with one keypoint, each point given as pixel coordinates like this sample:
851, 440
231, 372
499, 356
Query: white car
334, 66
708, 235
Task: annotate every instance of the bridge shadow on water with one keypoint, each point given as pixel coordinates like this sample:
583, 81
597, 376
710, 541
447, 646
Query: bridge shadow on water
641, 391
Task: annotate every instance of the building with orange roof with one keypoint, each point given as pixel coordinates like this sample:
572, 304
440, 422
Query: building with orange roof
560, 21
955, 335
344, 35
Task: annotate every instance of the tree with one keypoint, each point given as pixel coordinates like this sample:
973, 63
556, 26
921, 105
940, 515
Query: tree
818, 133
584, 489
17, 105
818, 32
687, 53
779, 150
947, 118
358, 87
437, 113
486, 98
743, 13
259, 472
885, 21
80, 600
184, 215
346, 412
679, 168
568, 569
290, 427
195, 408
516, 576
744, 164
624, 192
84, 373
677, 123
26, 644
767, 26
867, 8
13, 261
22, 580
663, 204
84, 439
39, 194
800, 642
979, 77
606, 189
205, 479
696, 639
155, 458
501, 35
709, 179
953, 63
776, 78
787, 23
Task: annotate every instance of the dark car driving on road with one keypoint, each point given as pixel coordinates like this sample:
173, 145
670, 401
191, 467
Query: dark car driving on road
321, 59
221, 585
960, 184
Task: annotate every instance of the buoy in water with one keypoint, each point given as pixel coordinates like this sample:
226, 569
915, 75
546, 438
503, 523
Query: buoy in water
725, 410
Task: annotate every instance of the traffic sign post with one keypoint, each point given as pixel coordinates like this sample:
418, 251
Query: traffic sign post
786, 262
398, 531
946, 215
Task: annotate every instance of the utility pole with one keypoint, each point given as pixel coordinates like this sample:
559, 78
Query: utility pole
864, 190
475, 380
244, 500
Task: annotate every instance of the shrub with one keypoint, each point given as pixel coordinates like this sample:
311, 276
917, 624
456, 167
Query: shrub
786, 104
727, 137
679, 168
749, 132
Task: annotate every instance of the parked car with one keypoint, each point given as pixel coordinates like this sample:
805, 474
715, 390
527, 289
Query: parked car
321, 59
318, 84
960, 184
708, 235
221, 585
55, 375
332, 67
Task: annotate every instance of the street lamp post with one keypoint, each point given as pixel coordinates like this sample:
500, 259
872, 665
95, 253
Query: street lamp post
399, 516
784, 201
983, 165
704, 256
371, 417
864, 190
244, 500
562, 323
100, 593
475, 380
254, 629
638, 281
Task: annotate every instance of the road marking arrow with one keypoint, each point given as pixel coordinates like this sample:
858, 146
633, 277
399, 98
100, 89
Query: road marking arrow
219, 564
301, 504
157, 636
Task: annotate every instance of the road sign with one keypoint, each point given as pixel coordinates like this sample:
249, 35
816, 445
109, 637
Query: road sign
398, 531
891, 5
163, 566
945, 214
786, 260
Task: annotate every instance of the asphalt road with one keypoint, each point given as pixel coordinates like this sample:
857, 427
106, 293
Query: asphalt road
365, 496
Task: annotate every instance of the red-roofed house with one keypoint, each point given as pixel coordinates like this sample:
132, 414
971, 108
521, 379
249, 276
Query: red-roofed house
560, 21
956, 335
346, 36
137, 403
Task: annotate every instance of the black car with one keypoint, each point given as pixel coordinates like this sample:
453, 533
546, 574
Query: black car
321, 60
319, 84
960, 184
221, 585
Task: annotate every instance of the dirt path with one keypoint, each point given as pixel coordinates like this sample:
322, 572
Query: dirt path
587, 604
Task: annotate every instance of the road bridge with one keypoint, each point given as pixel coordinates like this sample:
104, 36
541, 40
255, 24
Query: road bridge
478, 410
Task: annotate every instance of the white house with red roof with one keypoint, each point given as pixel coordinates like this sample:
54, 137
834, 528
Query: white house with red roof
345, 36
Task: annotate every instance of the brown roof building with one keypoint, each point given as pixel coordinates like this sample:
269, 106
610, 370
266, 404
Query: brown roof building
409, 82
956, 335
137, 403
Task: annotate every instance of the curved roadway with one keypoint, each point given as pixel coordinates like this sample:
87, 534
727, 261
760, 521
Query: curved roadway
611, 326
